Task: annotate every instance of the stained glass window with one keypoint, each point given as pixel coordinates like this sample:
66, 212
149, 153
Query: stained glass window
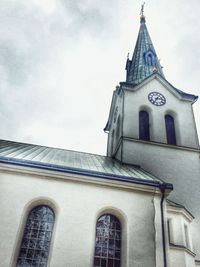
108, 242
144, 125
36, 238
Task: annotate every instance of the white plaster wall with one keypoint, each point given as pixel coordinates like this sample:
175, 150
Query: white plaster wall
118, 102
177, 166
189, 260
181, 110
77, 207
179, 258
176, 229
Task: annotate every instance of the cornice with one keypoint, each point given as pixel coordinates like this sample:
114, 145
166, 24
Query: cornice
182, 211
153, 143
176, 92
133, 185
183, 248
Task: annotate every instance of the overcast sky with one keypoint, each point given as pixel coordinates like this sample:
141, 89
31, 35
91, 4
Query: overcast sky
60, 61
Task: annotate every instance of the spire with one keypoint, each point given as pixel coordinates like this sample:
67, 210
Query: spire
144, 61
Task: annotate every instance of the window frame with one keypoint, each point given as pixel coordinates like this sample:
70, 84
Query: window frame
117, 230
170, 129
144, 126
24, 225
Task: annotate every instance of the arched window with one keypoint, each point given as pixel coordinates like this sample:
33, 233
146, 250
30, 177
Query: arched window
36, 238
170, 130
118, 128
150, 60
112, 141
108, 242
144, 125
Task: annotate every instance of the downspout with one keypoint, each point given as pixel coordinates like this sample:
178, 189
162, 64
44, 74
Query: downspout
122, 144
162, 189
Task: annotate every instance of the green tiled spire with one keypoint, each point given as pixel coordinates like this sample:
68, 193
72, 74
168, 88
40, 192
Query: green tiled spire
144, 61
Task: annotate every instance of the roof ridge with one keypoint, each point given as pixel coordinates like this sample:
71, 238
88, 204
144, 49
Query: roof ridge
65, 149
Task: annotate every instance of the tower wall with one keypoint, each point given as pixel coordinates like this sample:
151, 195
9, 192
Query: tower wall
176, 165
136, 99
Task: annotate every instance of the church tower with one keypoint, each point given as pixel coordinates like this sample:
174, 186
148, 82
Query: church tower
146, 109
151, 124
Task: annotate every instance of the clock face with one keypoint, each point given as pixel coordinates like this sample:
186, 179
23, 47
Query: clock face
157, 99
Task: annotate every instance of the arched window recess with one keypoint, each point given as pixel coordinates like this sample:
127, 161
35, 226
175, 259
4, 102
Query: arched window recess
170, 130
108, 242
144, 133
118, 129
149, 58
36, 239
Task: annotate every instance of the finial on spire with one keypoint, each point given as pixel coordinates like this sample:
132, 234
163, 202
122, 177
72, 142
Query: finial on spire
142, 17
142, 9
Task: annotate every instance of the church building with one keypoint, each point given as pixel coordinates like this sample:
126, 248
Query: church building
138, 206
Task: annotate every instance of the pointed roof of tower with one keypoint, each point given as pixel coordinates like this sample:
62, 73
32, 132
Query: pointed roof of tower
144, 61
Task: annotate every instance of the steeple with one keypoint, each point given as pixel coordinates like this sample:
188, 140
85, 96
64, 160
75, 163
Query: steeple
144, 61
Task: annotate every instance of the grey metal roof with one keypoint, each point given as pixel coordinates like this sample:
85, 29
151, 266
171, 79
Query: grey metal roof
174, 204
71, 161
144, 61
177, 205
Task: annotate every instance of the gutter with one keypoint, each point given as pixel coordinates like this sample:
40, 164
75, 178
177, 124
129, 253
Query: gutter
89, 173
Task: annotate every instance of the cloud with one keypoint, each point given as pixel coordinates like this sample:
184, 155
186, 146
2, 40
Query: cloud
41, 45
61, 59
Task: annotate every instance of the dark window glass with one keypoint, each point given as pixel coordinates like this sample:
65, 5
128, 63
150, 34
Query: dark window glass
144, 125
118, 128
108, 242
170, 130
112, 141
150, 60
36, 239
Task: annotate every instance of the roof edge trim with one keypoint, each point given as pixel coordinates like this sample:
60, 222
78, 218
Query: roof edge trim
52, 167
179, 207
188, 97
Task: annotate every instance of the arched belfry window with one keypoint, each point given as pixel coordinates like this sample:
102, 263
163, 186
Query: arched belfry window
118, 128
112, 141
36, 239
144, 125
170, 130
149, 58
108, 242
